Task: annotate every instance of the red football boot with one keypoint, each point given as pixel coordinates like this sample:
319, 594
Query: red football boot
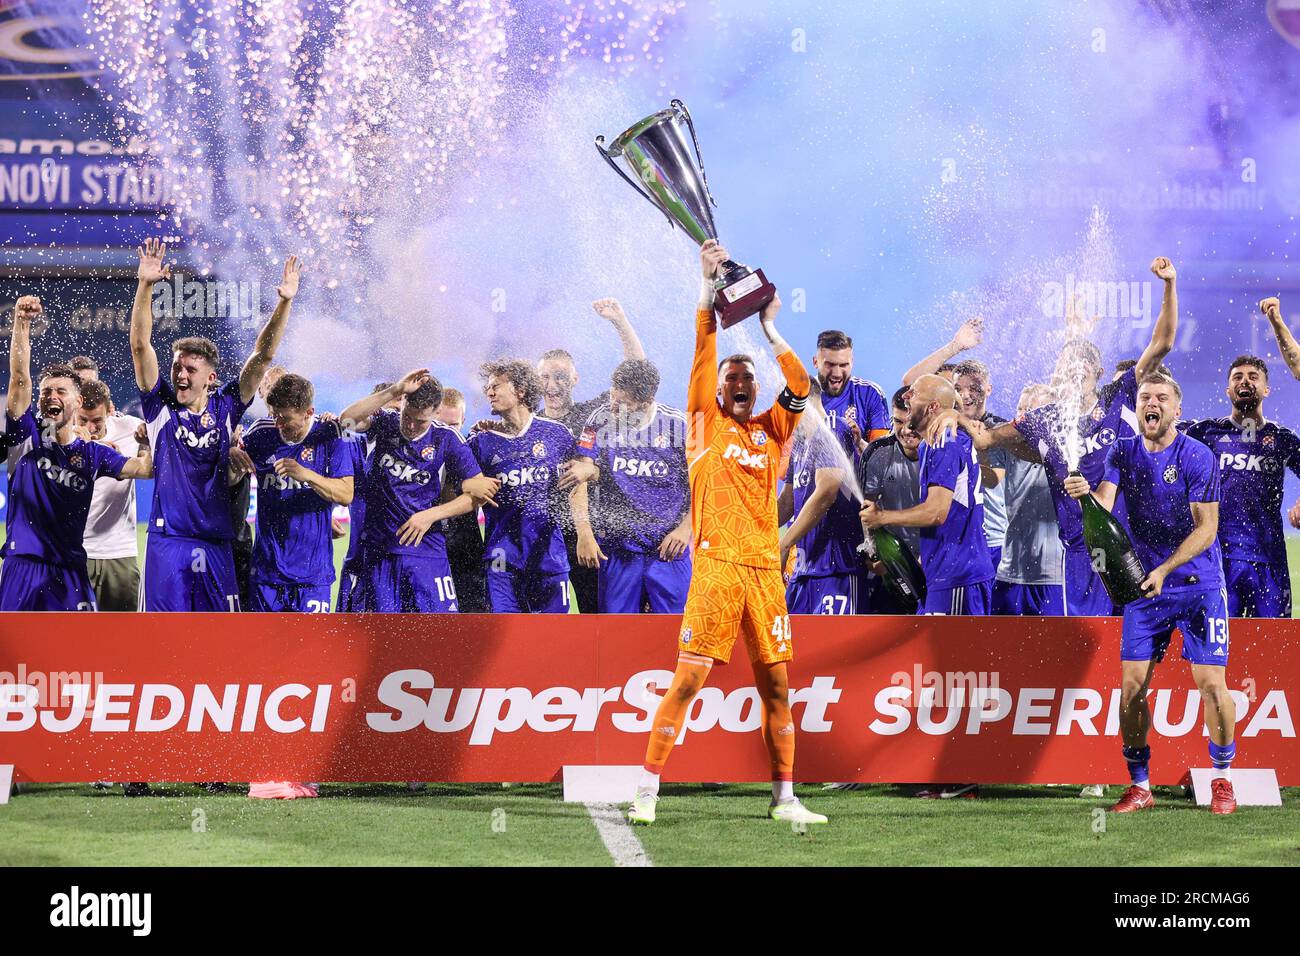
1135, 798
1222, 799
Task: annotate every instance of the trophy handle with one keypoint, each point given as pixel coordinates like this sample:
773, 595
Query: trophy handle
600, 148
699, 157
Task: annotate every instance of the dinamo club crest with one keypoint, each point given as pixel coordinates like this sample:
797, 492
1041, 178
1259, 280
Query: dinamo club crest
206, 419
759, 436
661, 441
1098, 413
75, 461
306, 454
686, 635
539, 450
426, 452
1268, 441
1171, 474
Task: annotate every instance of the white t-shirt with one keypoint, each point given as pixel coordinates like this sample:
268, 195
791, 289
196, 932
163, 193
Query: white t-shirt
110, 527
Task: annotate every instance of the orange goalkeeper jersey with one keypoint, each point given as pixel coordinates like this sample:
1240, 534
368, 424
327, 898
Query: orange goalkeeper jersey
734, 468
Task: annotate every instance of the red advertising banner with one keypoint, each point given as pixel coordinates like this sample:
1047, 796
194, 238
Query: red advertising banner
516, 697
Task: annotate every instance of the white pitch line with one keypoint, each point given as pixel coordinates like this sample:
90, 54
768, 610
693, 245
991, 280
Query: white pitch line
616, 833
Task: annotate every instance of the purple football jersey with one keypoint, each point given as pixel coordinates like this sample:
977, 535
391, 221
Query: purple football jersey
643, 490
190, 454
404, 477
1160, 487
831, 546
956, 552
862, 403
294, 544
523, 531
50, 487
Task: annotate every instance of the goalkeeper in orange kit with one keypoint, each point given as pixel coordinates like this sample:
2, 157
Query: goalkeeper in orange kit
736, 586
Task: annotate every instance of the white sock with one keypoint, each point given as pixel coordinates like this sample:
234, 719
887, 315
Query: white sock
1224, 774
649, 783
782, 791
1144, 784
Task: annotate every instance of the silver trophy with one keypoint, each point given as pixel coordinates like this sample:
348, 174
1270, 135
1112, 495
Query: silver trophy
655, 151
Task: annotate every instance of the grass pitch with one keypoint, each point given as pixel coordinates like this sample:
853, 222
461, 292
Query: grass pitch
528, 825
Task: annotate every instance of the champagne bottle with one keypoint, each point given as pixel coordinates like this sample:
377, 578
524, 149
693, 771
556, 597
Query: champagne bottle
903, 575
1120, 568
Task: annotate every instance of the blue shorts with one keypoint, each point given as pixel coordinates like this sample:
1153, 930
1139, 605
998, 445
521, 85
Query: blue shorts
408, 584
1201, 616
825, 594
30, 584
528, 592
302, 598
189, 574
1085, 595
1030, 600
1258, 589
995, 555
967, 599
351, 597
630, 580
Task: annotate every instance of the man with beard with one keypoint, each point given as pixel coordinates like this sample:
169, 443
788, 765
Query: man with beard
1254, 455
189, 564
1172, 486
954, 552
52, 475
890, 475
559, 376
856, 402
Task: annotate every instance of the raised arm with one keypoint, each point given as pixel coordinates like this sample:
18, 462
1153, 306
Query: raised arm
268, 340
968, 335
1166, 327
1286, 343
364, 408
611, 311
19, 398
701, 396
151, 270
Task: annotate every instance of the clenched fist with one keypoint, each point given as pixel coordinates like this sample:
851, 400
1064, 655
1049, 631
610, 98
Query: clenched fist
1164, 269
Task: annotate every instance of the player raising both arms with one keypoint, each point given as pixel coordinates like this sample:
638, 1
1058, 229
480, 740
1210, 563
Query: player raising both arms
52, 476
188, 563
1172, 487
736, 588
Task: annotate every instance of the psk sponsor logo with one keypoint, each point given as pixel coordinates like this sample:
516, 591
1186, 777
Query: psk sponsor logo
686, 635
1171, 474
427, 452
59, 475
745, 458
191, 440
539, 449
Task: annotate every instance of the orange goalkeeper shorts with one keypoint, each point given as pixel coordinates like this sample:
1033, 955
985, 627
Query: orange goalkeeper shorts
726, 600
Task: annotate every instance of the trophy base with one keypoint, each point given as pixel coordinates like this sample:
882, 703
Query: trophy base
742, 297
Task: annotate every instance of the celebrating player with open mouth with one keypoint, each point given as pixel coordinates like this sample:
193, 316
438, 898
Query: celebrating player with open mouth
736, 587
1171, 483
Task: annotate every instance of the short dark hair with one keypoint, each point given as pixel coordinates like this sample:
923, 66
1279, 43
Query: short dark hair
428, 395
946, 367
638, 377
1084, 350
518, 373
833, 339
94, 394
83, 363
61, 370
1252, 360
381, 387
556, 354
1123, 365
453, 396
900, 398
738, 357
198, 345
291, 391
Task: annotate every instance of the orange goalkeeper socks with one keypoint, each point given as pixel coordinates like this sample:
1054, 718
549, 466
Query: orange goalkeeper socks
692, 671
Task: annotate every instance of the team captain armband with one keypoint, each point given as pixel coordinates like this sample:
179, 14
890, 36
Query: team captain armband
791, 402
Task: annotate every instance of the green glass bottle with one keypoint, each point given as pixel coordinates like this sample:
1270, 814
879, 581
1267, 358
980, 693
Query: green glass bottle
903, 575
1116, 561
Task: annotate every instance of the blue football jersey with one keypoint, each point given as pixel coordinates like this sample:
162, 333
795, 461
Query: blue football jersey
359, 455
643, 491
1160, 487
1253, 463
831, 546
956, 552
50, 488
523, 531
404, 477
860, 403
190, 453
294, 544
